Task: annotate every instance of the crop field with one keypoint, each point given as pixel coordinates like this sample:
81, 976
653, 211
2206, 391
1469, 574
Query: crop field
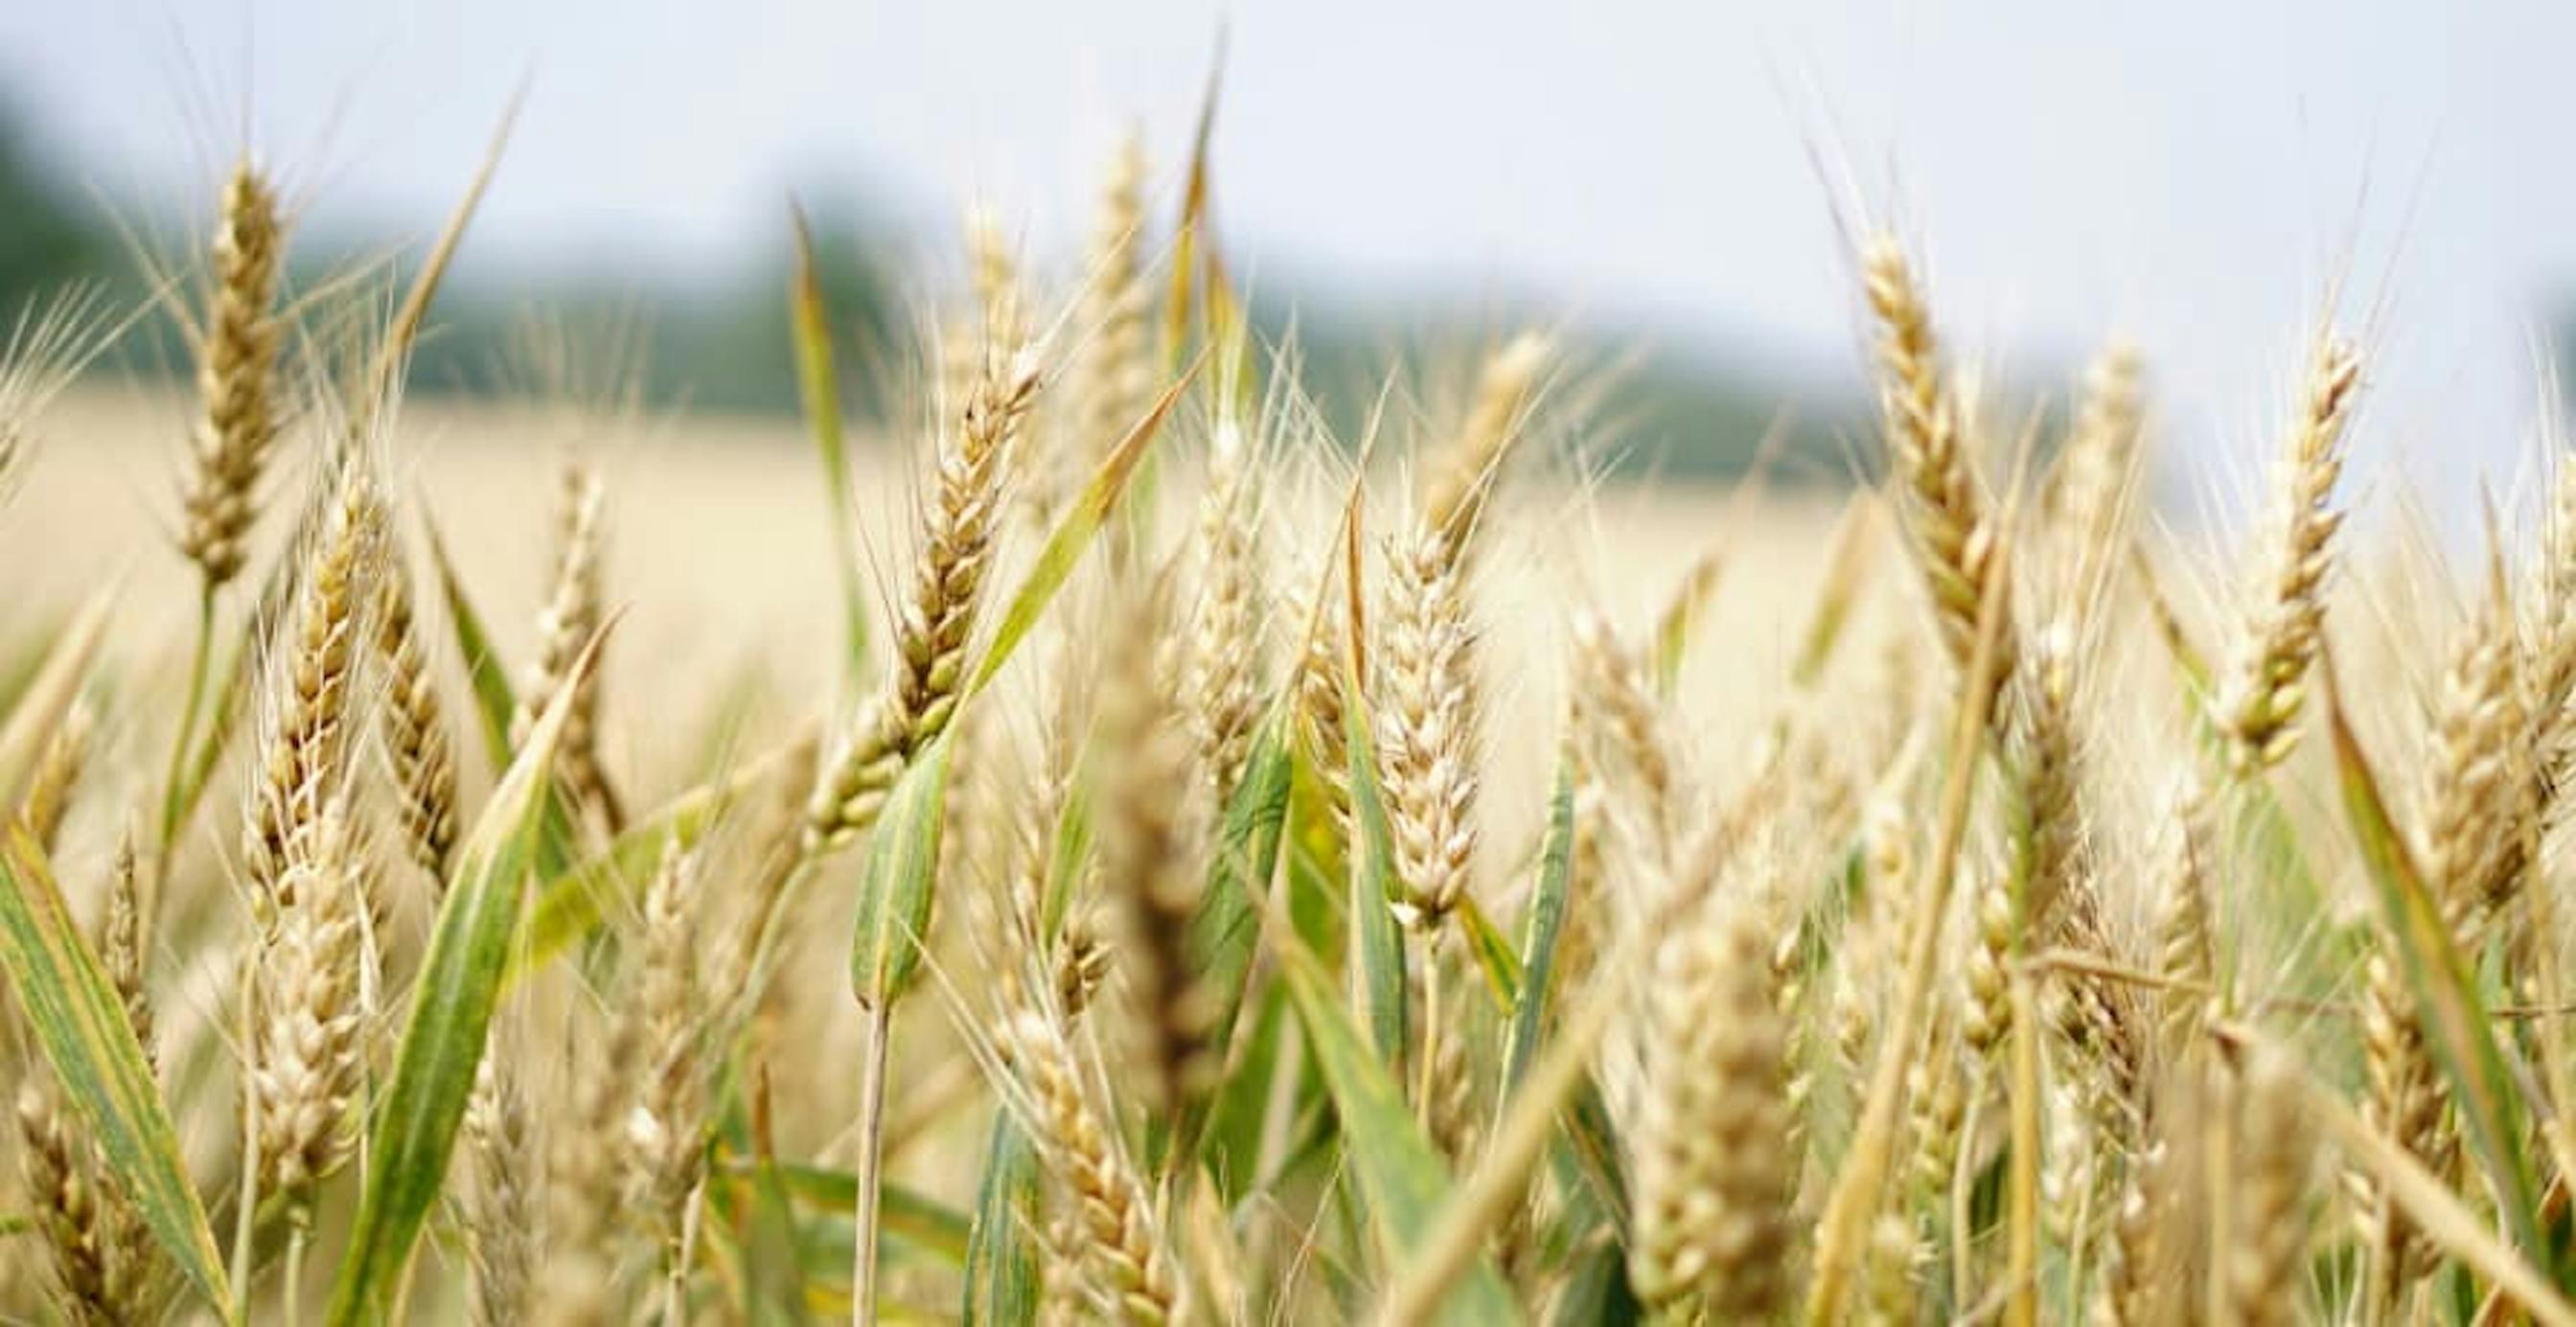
1103, 848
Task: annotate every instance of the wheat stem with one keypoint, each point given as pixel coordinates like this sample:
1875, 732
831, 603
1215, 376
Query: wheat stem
1851, 1205
877, 1032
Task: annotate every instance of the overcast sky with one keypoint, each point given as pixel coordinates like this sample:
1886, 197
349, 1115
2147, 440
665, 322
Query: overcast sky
2192, 172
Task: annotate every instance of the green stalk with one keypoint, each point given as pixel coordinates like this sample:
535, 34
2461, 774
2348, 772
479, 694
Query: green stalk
863, 1241
299, 1233
246, 1204
173, 798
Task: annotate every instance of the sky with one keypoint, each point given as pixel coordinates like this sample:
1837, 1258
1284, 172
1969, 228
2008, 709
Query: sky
2200, 176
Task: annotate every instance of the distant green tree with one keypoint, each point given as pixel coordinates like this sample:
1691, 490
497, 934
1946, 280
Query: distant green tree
46, 240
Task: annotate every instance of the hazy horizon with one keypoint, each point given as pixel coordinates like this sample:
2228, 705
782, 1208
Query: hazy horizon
2193, 176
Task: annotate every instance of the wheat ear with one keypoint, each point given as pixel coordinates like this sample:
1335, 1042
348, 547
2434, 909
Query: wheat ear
2266, 1257
2097, 476
1145, 865
665, 1142
938, 618
1456, 486
1226, 639
66, 1208
1133, 1278
1943, 507
502, 1192
1427, 731
1711, 1162
313, 675
57, 776
1113, 376
306, 1012
236, 378
2260, 704
572, 615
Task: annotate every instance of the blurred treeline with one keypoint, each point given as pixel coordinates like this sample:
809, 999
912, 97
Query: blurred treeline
723, 345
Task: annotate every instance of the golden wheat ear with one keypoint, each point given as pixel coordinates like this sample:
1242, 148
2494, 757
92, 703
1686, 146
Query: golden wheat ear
1711, 1159
1126, 1270
2261, 699
1931, 457
236, 376
922, 686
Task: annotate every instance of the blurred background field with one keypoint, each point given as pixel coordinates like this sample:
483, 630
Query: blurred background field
1668, 186
719, 553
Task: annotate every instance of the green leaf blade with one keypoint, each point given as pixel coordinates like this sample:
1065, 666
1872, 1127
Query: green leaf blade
1378, 987
1002, 1279
1400, 1176
2445, 990
1064, 548
1226, 926
80, 1023
1545, 926
899, 877
453, 1001
818, 388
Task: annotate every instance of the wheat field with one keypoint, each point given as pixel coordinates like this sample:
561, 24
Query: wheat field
1107, 849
